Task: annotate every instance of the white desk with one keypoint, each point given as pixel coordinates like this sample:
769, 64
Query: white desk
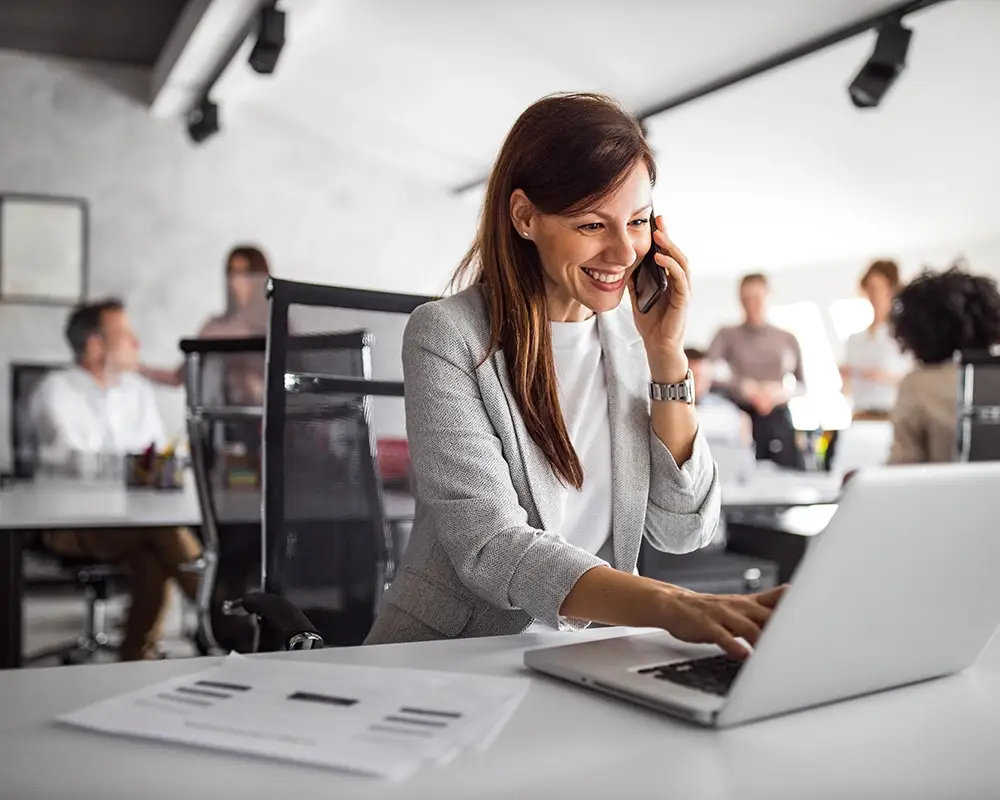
933, 740
47, 505
767, 487
43, 506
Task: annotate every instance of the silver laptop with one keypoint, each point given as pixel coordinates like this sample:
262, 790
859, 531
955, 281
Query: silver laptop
900, 587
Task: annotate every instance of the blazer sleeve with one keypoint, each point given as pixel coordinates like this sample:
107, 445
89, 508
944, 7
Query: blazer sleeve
685, 503
463, 480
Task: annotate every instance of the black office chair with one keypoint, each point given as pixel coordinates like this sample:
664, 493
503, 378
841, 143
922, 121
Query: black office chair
24, 378
328, 550
96, 579
225, 419
978, 429
224, 415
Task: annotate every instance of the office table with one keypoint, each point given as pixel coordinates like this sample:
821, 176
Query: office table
773, 488
47, 505
775, 514
933, 740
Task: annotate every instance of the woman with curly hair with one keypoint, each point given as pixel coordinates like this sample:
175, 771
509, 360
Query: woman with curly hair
935, 316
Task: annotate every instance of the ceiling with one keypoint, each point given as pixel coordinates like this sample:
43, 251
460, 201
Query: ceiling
431, 87
124, 31
782, 171
777, 171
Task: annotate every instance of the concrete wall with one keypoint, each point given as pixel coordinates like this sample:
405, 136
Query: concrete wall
164, 212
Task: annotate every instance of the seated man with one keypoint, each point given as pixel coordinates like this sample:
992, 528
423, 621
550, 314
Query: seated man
101, 406
720, 419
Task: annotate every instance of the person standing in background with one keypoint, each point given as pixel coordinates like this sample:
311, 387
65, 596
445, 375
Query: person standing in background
762, 361
936, 315
246, 315
874, 363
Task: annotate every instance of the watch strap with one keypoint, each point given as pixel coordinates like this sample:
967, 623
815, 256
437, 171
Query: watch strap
682, 392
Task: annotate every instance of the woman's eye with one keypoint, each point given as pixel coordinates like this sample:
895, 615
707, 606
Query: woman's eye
592, 226
640, 222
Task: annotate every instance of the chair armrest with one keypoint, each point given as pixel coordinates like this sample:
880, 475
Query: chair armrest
292, 626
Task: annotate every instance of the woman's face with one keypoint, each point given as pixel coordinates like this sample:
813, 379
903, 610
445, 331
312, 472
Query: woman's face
880, 294
240, 284
588, 258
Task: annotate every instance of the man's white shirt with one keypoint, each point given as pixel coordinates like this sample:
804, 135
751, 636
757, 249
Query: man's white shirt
71, 412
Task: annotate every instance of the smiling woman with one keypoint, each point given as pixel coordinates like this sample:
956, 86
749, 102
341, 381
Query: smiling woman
539, 459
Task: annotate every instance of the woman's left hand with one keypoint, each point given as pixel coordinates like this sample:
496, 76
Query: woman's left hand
662, 329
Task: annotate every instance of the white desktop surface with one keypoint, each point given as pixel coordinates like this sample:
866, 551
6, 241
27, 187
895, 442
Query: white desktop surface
64, 504
932, 740
767, 486
48, 505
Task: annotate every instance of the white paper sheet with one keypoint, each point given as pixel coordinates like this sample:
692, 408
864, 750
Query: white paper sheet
367, 720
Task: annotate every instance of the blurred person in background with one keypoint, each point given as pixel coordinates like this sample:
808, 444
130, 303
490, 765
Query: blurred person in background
936, 315
874, 362
723, 422
765, 364
246, 315
101, 406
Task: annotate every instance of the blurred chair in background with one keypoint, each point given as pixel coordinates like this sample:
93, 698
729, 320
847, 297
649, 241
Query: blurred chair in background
979, 406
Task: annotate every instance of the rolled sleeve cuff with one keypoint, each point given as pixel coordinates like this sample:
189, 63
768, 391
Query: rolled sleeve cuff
544, 577
667, 480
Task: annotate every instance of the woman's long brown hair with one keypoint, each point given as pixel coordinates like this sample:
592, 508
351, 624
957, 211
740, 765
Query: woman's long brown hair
566, 153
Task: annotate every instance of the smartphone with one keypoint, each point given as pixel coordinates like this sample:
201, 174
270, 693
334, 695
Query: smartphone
649, 279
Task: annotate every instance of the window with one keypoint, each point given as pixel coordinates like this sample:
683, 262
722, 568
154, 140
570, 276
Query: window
850, 316
823, 405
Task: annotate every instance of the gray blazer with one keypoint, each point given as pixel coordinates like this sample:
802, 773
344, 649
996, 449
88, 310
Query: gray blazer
485, 557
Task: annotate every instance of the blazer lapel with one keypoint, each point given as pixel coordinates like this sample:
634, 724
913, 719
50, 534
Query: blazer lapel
543, 484
628, 410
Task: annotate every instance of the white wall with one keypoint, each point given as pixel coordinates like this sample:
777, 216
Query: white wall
164, 212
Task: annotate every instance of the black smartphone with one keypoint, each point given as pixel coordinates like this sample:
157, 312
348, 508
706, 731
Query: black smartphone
649, 279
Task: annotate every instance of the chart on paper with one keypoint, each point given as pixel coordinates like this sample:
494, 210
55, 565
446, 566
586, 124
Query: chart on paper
364, 720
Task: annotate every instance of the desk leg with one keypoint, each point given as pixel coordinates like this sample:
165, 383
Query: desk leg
11, 597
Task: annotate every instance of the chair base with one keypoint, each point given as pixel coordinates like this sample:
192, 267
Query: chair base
93, 638
82, 651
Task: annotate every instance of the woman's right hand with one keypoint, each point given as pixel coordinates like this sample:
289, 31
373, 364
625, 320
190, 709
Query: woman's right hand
719, 618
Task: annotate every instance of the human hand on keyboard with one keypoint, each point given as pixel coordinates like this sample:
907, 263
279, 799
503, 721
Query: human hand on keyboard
719, 618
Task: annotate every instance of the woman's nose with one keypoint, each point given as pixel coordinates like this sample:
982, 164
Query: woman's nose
620, 250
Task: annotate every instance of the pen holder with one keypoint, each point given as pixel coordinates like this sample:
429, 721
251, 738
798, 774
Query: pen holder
158, 472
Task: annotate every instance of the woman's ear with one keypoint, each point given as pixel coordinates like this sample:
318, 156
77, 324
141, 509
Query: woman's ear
522, 213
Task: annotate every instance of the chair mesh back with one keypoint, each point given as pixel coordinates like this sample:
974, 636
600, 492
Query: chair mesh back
327, 547
979, 408
24, 379
330, 556
986, 384
232, 451
226, 453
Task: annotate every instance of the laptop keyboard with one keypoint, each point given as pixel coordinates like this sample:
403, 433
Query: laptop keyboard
714, 674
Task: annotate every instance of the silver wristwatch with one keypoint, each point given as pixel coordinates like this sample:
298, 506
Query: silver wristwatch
683, 391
